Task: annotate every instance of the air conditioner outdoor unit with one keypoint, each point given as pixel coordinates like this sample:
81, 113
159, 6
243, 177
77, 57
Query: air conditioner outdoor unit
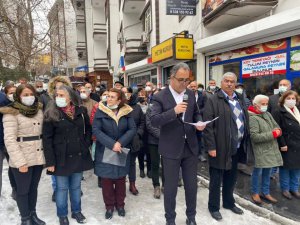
120, 38
145, 38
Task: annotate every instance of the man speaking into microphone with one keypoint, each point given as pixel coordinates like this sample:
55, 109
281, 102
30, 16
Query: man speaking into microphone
178, 144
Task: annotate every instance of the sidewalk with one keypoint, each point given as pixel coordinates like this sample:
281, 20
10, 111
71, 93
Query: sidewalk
287, 208
141, 209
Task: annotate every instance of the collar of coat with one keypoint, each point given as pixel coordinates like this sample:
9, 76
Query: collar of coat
13, 111
125, 110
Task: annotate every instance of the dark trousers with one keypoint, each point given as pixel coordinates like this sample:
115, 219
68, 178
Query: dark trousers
188, 163
228, 177
27, 189
155, 160
132, 169
10, 174
144, 151
114, 192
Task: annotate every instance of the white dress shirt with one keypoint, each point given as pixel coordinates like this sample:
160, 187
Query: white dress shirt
178, 97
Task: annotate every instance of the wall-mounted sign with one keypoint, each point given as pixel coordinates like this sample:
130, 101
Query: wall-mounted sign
162, 51
181, 7
264, 66
184, 48
179, 48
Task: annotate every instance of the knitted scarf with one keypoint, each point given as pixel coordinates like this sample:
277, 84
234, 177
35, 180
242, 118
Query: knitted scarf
28, 111
69, 111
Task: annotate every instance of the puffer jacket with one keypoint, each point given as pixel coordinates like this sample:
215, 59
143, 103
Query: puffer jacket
16, 125
265, 146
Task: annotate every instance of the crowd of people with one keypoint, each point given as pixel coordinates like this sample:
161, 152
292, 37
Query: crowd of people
70, 129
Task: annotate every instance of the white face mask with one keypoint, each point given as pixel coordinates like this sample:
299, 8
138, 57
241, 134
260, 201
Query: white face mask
11, 97
239, 90
148, 88
290, 103
113, 106
28, 100
212, 87
104, 98
97, 89
263, 108
39, 90
127, 96
83, 96
282, 89
200, 89
61, 102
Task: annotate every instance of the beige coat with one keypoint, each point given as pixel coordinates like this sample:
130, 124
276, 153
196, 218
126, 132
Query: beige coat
16, 125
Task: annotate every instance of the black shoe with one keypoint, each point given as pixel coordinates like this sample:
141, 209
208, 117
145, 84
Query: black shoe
190, 222
26, 220
109, 214
149, 174
142, 174
53, 196
121, 212
63, 220
14, 194
170, 223
216, 215
236, 210
35, 220
79, 217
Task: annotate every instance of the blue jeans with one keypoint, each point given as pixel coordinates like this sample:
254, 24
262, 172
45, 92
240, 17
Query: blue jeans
72, 184
265, 174
289, 179
53, 182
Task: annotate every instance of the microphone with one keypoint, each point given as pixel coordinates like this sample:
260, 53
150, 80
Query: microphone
185, 99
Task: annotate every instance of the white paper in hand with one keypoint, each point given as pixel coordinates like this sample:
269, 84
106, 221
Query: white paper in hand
200, 123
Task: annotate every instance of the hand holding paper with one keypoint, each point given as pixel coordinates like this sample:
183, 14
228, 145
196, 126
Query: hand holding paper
201, 124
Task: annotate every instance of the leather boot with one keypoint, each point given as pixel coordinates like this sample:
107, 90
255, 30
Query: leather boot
132, 188
35, 220
26, 220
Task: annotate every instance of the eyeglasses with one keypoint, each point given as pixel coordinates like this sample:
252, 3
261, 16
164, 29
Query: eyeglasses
182, 80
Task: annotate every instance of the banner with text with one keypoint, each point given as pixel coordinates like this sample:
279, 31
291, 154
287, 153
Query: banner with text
264, 66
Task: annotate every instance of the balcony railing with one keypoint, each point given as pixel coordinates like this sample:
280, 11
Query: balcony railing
80, 19
81, 45
100, 64
134, 51
100, 29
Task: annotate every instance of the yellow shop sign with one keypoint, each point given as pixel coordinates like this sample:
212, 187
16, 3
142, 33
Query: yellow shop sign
162, 51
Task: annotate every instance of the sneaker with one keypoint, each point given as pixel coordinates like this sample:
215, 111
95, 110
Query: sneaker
79, 217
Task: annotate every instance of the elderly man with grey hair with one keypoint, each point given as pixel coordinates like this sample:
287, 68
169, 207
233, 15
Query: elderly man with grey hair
178, 144
227, 141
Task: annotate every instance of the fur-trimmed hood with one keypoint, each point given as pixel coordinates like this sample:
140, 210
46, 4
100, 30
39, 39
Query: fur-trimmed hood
13, 111
51, 85
125, 110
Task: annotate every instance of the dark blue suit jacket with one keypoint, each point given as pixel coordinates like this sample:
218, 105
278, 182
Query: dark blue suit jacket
173, 132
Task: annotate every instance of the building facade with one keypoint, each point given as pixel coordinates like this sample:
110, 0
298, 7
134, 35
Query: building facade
61, 20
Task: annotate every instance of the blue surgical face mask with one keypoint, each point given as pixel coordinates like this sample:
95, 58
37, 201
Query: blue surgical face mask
263, 108
61, 102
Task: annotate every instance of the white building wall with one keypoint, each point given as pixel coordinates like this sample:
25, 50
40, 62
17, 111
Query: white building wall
132, 26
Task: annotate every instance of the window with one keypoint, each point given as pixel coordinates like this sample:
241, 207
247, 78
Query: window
148, 20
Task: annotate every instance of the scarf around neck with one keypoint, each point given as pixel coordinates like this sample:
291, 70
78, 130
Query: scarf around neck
28, 111
69, 111
295, 113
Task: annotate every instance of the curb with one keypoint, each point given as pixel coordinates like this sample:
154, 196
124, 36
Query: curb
259, 211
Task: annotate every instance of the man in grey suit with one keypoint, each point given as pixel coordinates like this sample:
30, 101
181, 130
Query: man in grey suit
178, 143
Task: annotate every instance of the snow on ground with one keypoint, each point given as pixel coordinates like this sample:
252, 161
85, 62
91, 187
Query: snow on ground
141, 209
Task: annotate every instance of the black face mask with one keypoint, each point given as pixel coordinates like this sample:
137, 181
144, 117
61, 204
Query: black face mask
141, 100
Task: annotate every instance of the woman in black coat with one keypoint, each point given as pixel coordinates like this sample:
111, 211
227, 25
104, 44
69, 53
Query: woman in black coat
66, 139
288, 118
139, 119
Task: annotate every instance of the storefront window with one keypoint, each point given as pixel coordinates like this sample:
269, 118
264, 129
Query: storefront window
216, 72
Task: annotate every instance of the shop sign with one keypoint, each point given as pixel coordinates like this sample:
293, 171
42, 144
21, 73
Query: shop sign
264, 66
209, 6
162, 51
184, 48
181, 7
